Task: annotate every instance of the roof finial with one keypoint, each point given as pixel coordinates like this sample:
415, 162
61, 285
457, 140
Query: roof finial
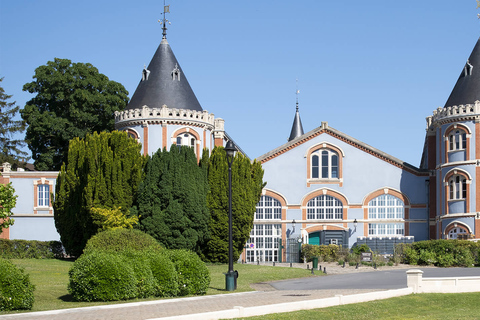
478, 6
164, 21
298, 91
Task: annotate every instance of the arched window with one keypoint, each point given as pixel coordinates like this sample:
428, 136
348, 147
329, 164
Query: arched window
268, 208
456, 231
458, 187
324, 164
324, 207
186, 139
386, 207
457, 140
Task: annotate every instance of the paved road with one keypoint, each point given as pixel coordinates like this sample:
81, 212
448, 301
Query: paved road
385, 280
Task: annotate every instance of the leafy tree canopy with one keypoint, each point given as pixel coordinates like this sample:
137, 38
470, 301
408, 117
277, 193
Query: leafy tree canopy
247, 185
8, 200
9, 146
72, 99
103, 171
172, 199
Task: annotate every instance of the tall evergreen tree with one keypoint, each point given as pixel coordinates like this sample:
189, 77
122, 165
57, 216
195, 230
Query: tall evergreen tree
9, 146
171, 202
247, 185
72, 99
103, 171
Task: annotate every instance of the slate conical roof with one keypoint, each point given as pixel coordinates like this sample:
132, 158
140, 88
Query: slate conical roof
467, 88
297, 128
163, 82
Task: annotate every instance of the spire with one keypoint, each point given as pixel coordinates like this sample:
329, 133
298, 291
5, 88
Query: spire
467, 88
164, 21
164, 82
297, 128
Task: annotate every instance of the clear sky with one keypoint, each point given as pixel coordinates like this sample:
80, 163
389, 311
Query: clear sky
372, 69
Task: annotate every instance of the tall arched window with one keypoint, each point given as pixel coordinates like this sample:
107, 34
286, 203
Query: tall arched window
383, 208
458, 187
457, 140
264, 238
324, 207
324, 164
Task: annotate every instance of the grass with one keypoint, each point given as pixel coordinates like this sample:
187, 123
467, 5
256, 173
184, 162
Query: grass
50, 277
415, 306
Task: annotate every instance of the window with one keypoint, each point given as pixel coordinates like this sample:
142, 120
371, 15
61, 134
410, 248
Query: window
457, 140
264, 242
458, 187
386, 229
453, 234
186, 139
43, 195
324, 164
386, 207
268, 208
324, 207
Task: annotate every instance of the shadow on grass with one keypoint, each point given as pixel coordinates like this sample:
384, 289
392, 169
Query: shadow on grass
66, 298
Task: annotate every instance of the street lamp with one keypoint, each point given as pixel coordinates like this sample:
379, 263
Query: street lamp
230, 276
355, 223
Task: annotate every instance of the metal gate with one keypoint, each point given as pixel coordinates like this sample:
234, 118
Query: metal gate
293, 250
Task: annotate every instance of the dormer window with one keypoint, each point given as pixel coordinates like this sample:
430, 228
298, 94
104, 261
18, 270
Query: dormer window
145, 74
176, 73
467, 70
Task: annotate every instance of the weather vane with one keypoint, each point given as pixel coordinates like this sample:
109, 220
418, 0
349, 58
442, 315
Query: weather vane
298, 91
478, 6
164, 21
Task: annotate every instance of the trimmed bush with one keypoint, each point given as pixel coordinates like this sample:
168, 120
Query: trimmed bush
324, 252
16, 291
146, 283
164, 272
22, 249
121, 241
193, 274
100, 276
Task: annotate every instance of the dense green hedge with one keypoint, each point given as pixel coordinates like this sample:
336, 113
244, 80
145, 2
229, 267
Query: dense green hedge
20, 249
193, 274
323, 252
442, 253
16, 291
119, 265
101, 276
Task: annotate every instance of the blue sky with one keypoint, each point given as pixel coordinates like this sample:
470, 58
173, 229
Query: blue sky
372, 69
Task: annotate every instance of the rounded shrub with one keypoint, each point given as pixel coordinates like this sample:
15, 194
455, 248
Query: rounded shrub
193, 274
121, 241
146, 283
16, 291
164, 272
101, 276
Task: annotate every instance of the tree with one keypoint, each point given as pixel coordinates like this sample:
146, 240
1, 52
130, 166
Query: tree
72, 99
9, 147
8, 200
103, 171
112, 218
171, 201
247, 185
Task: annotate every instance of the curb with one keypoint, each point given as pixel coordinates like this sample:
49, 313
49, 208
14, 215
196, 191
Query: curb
239, 311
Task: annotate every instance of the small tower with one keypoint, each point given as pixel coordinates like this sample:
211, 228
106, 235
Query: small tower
164, 109
297, 128
452, 155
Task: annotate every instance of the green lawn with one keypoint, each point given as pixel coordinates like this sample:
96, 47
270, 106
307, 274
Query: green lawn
50, 277
414, 306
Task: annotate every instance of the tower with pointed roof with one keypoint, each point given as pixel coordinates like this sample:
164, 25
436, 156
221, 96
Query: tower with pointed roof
297, 128
164, 109
452, 155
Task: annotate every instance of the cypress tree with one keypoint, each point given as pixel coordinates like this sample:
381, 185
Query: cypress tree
171, 201
247, 184
103, 171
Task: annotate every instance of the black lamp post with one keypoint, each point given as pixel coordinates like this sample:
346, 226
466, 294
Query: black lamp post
230, 276
355, 223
